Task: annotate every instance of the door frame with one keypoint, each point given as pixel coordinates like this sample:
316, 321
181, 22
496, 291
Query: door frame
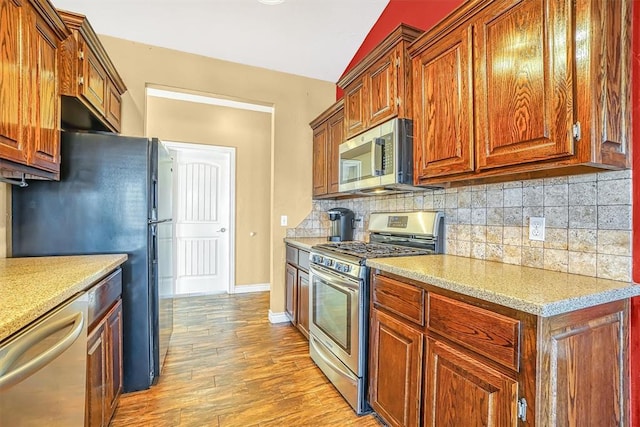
231, 152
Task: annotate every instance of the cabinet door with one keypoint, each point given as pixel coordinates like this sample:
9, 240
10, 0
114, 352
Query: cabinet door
443, 123
303, 303
354, 108
95, 409
395, 370
13, 89
45, 97
461, 391
93, 83
382, 90
523, 82
113, 386
587, 369
336, 137
320, 141
114, 107
291, 290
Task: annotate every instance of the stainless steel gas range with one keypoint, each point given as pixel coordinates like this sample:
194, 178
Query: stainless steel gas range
339, 294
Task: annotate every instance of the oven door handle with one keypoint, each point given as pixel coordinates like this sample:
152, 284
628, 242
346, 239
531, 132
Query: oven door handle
339, 282
320, 349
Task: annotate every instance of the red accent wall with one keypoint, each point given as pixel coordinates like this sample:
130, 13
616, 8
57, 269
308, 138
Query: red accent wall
425, 14
422, 14
635, 303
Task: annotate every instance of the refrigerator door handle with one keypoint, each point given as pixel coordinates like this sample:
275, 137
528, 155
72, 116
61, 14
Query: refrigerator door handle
161, 221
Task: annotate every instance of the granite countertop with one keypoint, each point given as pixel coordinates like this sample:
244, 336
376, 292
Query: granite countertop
305, 242
532, 290
30, 287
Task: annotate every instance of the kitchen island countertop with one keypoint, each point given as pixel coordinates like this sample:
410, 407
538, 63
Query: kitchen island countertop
30, 287
532, 290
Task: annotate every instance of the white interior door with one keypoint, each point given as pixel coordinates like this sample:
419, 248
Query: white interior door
203, 219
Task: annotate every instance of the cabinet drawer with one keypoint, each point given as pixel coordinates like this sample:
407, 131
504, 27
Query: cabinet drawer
103, 295
404, 300
303, 259
292, 255
490, 334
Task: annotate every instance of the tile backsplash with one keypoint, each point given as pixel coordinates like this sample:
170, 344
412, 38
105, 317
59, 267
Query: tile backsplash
588, 221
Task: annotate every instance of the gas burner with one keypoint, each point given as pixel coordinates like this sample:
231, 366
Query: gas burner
373, 250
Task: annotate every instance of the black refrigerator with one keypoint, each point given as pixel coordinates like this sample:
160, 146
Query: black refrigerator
114, 196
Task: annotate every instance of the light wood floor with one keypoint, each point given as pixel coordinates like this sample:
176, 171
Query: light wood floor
228, 366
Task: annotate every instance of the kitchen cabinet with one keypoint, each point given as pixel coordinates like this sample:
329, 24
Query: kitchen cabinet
378, 88
328, 131
91, 87
104, 352
297, 288
442, 358
506, 88
460, 390
30, 33
395, 369
303, 302
291, 289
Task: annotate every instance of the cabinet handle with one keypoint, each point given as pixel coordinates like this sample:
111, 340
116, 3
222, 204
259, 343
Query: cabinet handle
81, 81
80, 55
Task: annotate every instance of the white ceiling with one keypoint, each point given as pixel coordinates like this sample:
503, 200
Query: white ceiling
312, 38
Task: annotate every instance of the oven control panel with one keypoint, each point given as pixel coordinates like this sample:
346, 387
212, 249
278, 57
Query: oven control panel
337, 265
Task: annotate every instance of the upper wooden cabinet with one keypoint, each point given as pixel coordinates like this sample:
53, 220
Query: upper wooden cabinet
379, 87
30, 33
90, 83
530, 87
328, 134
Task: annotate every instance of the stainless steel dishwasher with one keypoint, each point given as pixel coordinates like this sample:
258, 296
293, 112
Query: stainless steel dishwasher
43, 369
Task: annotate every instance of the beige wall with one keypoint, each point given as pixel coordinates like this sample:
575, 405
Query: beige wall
296, 100
250, 133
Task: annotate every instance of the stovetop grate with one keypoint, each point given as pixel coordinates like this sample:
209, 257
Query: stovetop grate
373, 250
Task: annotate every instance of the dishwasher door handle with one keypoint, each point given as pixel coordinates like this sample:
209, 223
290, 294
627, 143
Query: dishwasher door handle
8, 379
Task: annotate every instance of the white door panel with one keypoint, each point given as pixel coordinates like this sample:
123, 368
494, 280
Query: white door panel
203, 222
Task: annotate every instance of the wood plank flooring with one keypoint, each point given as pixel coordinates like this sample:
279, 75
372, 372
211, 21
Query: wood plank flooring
228, 366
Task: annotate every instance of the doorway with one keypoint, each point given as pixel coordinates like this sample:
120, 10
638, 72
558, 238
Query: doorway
203, 211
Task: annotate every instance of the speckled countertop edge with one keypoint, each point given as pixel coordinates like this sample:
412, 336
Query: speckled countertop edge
305, 242
31, 287
535, 291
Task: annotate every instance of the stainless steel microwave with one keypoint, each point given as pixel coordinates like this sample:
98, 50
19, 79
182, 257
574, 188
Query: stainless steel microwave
379, 160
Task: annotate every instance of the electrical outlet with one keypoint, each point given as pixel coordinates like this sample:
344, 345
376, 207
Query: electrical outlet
536, 228
283, 220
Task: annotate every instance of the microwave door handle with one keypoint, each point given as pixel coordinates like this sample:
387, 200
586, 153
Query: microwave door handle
378, 156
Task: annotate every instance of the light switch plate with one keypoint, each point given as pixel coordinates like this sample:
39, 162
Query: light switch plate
283, 220
536, 228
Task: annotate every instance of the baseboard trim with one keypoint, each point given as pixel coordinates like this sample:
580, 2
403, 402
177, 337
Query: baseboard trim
278, 317
257, 287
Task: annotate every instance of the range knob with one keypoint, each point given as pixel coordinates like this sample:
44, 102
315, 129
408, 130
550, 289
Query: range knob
328, 262
317, 259
346, 268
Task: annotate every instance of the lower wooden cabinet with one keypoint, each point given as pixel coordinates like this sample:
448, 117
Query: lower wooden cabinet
104, 368
461, 390
303, 302
475, 363
297, 288
395, 369
291, 297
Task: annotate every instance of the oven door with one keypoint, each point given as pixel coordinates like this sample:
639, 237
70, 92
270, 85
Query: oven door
335, 310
